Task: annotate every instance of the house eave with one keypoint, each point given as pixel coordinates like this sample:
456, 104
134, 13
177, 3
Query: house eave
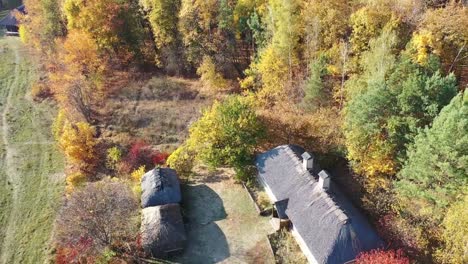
303, 246
267, 188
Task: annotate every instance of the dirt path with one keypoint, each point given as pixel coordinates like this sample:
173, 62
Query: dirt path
13, 177
31, 168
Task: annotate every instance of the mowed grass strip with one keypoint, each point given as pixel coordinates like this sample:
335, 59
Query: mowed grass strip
6, 77
36, 160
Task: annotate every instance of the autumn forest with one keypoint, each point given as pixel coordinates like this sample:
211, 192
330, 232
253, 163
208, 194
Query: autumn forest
376, 88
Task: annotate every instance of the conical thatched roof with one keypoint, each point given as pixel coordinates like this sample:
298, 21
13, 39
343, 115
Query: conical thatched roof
160, 186
162, 229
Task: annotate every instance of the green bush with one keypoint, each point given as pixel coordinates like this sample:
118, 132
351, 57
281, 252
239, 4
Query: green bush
226, 135
114, 156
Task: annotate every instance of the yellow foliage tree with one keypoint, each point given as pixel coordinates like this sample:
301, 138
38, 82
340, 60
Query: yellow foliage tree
274, 75
95, 17
79, 145
423, 43
210, 78
455, 234
74, 180
114, 25
138, 174
444, 32
325, 22
42, 24
80, 52
367, 23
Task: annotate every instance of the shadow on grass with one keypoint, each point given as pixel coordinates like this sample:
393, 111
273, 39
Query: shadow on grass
206, 241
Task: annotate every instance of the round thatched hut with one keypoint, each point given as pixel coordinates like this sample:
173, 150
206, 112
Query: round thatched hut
162, 230
160, 186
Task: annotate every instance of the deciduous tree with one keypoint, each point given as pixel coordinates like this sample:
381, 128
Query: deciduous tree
163, 19
277, 63
198, 24
455, 233
115, 25
42, 23
79, 145
443, 32
367, 23
226, 134
102, 213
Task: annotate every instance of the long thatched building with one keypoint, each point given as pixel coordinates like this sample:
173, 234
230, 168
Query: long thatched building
327, 227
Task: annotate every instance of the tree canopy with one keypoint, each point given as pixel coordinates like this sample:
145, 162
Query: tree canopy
436, 170
226, 134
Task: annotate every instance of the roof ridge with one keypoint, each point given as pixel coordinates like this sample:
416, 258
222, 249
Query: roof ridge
334, 207
297, 165
158, 179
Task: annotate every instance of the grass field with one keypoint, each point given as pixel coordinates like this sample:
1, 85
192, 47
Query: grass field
30, 180
158, 110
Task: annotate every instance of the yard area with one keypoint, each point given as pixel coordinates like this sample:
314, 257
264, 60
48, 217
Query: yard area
30, 180
221, 222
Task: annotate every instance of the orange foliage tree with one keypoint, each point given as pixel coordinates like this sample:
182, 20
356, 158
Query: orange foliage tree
113, 24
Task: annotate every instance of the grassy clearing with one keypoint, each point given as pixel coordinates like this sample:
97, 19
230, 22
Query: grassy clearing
30, 198
158, 110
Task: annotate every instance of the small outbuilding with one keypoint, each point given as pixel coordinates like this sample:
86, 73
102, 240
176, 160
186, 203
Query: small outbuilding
160, 186
10, 22
162, 230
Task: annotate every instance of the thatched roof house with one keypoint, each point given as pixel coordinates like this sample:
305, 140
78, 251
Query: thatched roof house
162, 230
160, 186
10, 22
327, 227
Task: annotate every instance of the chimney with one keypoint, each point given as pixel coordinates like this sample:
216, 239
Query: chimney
307, 161
324, 180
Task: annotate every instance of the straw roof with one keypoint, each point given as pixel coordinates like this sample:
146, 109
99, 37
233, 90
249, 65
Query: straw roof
332, 228
160, 186
162, 229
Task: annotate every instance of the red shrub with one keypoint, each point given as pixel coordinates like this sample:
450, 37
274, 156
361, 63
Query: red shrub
74, 253
398, 233
382, 257
138, 153
160, 158
141, 153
